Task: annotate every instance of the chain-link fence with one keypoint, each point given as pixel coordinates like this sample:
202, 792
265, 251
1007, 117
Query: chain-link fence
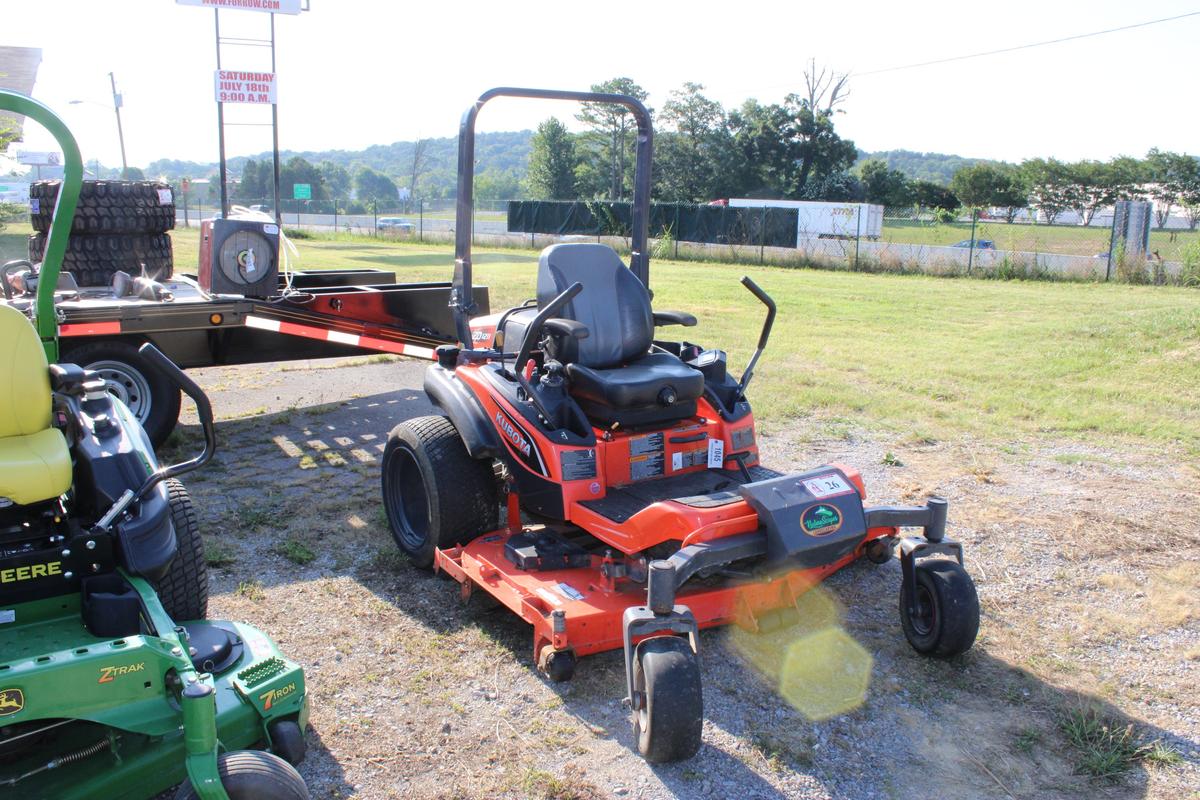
869, 238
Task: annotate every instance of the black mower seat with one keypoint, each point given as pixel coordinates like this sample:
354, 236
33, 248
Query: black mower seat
612, 373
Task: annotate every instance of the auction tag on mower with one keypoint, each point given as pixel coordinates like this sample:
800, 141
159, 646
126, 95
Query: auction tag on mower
716, 453
829, 485
8, 615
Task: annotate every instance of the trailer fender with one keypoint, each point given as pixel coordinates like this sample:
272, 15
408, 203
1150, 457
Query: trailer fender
464, 411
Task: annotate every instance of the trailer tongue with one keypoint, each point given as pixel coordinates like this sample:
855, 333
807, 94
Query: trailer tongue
326, 314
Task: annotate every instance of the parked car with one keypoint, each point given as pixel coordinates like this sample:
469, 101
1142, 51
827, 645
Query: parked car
395, 224
980, 244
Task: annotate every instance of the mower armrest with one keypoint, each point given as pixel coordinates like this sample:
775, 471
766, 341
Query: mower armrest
674, 318
566, 327
66, 377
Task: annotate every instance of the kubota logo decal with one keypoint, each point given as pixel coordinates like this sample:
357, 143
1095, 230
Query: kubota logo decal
821, 519
519, 442
110, 674
269, 697
514, 435
11, 702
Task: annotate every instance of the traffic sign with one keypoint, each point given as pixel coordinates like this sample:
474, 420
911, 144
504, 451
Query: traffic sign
302, 191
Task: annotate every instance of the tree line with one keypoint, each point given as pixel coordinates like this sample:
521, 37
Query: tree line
791, 150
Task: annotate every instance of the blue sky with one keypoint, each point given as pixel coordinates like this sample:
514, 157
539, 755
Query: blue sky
355, 73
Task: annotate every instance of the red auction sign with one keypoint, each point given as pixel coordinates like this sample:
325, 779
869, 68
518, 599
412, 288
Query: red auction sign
235, 86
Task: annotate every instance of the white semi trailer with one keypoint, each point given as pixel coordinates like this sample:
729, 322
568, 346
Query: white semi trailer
818, 220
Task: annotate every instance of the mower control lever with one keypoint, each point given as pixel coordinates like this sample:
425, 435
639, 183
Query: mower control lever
762, 337
531, 334
203, 410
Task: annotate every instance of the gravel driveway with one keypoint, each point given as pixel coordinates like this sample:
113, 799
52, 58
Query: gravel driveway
1086, 562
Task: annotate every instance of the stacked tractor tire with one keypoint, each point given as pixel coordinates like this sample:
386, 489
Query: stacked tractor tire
118, 226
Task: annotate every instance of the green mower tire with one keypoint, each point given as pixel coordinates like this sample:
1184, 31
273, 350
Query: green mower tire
666, 677
435, 494
183, 591
945, 616
254, 775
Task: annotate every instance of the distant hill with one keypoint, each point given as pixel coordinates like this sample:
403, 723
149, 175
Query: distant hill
936, 167
507, 153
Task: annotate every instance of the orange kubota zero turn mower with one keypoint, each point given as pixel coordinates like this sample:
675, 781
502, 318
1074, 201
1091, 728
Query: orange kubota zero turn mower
637, 511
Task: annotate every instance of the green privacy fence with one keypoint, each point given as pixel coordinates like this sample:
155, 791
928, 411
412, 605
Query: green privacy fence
709, 224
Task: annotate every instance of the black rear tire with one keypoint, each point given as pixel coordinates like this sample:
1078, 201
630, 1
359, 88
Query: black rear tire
669, 725
108, 207
254, 775
93, 260
434, 493
152, 398
945, 618
183, 591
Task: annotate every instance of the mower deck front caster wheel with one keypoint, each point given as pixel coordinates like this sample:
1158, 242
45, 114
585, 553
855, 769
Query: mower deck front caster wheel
879, 551
944, 615
287, 741
557, 665
254, 775
668, 704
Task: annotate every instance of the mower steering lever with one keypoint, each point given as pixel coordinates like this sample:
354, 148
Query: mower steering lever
762, 337
203, 410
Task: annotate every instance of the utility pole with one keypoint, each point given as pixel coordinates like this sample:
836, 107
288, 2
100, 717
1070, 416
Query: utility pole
120, 131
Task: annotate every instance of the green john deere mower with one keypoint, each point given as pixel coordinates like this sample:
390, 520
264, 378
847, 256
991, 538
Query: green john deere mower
112, 684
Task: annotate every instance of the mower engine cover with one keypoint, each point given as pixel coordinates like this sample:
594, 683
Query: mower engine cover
812, 519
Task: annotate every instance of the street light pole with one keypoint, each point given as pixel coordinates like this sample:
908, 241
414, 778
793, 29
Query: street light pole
120, 131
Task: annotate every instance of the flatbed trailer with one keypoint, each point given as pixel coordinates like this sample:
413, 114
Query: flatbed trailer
324, 314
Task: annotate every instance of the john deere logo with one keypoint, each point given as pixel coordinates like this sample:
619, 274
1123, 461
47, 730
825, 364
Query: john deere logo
820, 520
11, 702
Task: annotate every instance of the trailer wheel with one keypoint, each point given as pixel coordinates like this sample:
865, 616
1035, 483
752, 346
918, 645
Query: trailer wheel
152, 398
669, 708
434, 493
254, 775
183, 591
945, 610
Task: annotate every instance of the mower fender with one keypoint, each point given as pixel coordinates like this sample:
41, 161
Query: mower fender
464, 411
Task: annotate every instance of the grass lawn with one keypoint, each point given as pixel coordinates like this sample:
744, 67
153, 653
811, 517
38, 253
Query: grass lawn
1065, 239
924, 357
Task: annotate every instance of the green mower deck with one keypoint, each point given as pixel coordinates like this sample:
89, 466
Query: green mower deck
121, 736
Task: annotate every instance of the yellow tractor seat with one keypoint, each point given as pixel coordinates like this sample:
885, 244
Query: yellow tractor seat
35, 462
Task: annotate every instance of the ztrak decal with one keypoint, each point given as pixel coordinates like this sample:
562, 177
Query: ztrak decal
30, 572
11, 702
821, 520
520, 442
269, 697
110, 674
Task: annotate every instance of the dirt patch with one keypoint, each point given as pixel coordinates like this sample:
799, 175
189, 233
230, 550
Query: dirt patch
1086, 562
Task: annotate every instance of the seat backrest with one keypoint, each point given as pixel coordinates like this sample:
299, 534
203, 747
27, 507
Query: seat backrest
24, 377
614, 304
